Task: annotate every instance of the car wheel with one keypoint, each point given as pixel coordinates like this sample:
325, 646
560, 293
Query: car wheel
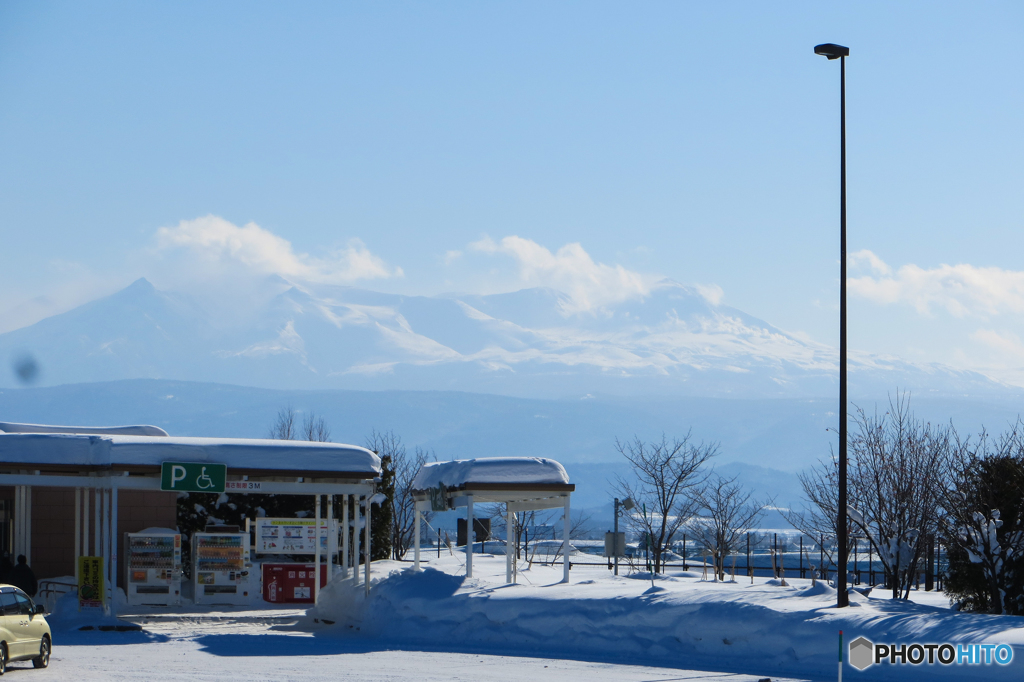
3, 658
43, 659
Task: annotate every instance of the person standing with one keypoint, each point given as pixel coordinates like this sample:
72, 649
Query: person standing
23, 577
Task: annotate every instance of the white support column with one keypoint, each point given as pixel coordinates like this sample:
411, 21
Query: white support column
114, 542
344, 537
78, 528
369, 550
97, 546
566, 526
316, 550
28, 525
105, 542
509, 535
416, 537
469, 537
85, 522
332, 538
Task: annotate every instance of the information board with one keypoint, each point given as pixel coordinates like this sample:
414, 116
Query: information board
289, 536
91, 586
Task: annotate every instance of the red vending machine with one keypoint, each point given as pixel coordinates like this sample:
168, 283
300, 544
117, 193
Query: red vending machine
290, 583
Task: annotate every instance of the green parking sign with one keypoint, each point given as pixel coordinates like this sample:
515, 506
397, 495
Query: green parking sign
193, 477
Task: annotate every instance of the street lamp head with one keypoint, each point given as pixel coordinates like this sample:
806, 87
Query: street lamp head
832, 51
627, 504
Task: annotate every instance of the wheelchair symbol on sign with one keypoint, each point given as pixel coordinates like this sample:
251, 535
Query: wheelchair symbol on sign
203, 481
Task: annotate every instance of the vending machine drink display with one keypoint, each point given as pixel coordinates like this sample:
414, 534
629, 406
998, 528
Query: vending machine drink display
153, 567
220, 570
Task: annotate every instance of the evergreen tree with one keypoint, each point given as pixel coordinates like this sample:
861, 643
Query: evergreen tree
993, 483
382, 519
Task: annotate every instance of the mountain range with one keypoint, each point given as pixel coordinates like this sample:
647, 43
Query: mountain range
531, 343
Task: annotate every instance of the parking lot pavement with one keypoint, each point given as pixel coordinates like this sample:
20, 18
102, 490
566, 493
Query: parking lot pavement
204, 650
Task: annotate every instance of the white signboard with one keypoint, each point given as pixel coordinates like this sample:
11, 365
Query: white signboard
289, 536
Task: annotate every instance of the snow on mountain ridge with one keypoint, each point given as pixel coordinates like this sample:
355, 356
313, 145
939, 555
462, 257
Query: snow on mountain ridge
673, 340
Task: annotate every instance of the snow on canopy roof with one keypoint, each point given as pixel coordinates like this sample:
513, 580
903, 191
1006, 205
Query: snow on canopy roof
141, 430
238, 453
494, 470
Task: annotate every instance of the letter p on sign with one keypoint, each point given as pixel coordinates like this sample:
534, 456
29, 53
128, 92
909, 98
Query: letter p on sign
177, 474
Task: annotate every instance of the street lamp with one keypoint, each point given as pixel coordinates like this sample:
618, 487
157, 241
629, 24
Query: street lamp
626, 504
833, 51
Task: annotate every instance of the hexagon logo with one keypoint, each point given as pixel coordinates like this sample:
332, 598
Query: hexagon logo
862, 653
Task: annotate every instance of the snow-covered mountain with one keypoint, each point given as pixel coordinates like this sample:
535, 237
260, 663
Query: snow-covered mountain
528, 343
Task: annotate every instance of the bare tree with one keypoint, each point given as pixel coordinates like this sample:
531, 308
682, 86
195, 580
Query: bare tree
284, 425
728, 513
579, 526
668, 479
404, 467
405, 506
314, 428
521, 521
819, 519
897, 464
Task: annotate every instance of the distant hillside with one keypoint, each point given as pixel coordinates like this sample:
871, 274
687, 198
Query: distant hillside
782, 436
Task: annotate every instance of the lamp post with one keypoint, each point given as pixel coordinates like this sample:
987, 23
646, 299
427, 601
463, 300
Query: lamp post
626, 504
833, 51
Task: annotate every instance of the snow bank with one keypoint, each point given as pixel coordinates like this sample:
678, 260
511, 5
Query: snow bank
65, 615
490, 470
758, 629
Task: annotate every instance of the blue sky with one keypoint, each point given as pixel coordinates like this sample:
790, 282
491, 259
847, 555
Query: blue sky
378, 143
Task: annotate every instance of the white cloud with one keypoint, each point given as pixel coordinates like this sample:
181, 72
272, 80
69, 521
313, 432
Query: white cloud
213, 240
452, 256
571, 270
712, 293
1006, 343
963, 290
874, 262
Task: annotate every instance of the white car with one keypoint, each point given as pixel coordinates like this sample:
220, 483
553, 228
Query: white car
24, 632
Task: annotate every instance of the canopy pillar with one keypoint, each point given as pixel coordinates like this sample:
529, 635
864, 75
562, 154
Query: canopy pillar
469, 536
566, 526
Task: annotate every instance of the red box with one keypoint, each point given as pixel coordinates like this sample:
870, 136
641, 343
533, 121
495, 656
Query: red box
291, 583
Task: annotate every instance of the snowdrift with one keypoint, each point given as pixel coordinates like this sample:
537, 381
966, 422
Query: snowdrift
762, 629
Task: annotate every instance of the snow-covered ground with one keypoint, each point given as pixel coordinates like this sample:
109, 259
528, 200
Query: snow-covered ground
437, 625
683, 621
253, 651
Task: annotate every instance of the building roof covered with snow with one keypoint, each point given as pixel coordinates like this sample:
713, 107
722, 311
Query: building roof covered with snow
494, 473
140, 430
75, 452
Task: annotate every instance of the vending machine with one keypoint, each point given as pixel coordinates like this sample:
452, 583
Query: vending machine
153, 567
220, 570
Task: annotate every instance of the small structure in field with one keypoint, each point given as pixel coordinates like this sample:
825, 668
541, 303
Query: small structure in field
521, 483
